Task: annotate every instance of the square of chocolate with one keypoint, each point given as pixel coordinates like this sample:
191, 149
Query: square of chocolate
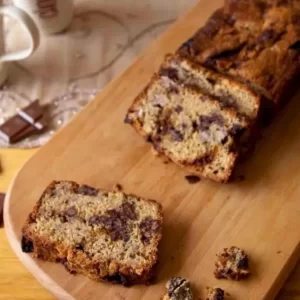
32, 112
12, 127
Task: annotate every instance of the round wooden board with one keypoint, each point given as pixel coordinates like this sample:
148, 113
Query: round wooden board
260, 214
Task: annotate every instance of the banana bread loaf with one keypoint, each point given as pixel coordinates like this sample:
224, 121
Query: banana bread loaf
109, 236
257, 42
189, 127
229, 92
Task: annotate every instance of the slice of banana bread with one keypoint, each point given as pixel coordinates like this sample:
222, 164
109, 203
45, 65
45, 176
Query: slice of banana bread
257, 42
189, 127
109, 236
229, 92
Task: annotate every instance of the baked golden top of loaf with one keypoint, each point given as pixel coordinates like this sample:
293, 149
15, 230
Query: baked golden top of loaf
104, 235
189, 127
229, 92
255, 41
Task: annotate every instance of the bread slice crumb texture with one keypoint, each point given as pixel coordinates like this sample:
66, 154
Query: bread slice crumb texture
191, 128
107, 227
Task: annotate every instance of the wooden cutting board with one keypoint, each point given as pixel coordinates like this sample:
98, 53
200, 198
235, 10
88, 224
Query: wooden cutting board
260, 214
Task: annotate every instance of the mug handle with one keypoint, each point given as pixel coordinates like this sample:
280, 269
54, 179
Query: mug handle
29, 25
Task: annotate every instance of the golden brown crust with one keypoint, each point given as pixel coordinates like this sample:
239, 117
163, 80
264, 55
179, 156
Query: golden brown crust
76, 261
211, 74
267, 57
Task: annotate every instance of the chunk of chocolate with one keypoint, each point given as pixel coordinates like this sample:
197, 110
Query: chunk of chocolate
236, 130
204, 160
207, 121
32, 112
27, 122
148, 228
71, 212
176, 135
170, 73
117, 278
116, 221
178, 108
128, 211
192, 179
118, 187
26, 245
12, 128
87, 190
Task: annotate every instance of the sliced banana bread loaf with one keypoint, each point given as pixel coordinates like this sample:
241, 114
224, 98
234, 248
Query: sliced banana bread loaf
229, 92
257, 42
189, 127
108, 236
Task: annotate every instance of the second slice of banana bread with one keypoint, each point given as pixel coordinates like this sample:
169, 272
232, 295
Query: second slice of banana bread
189, 127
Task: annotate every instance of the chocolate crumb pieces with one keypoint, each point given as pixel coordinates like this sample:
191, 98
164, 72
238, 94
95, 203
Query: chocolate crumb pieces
216, 294
232, 264
118, 187
192, 179
178, 289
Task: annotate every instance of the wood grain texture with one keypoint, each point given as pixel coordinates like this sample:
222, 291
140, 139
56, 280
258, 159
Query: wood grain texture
260, 214
16, 283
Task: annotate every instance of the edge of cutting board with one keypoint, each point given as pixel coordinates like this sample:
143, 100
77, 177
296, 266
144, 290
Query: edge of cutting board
41, 276
287, 263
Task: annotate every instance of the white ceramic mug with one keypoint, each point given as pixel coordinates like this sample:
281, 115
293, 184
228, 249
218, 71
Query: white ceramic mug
51, 16
33, 35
